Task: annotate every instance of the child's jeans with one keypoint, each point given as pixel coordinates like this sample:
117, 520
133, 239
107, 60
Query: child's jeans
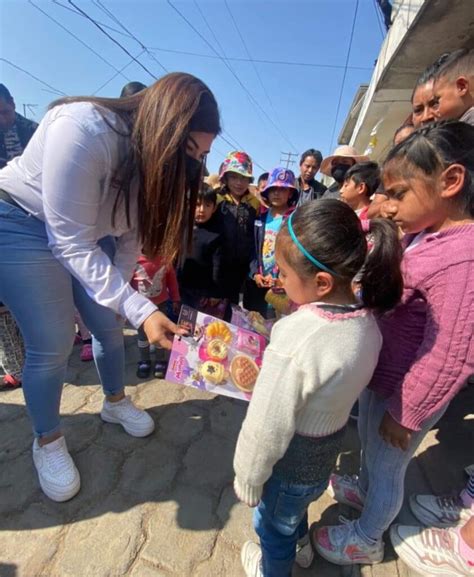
382, 467
280, 519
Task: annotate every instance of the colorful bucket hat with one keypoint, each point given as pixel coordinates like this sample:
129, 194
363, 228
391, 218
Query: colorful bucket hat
282, 178
238, 162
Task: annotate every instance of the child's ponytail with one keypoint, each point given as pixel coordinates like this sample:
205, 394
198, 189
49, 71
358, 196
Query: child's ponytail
382, 281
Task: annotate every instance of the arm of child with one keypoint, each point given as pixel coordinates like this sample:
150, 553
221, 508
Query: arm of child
440, 368
269, 425
172, 284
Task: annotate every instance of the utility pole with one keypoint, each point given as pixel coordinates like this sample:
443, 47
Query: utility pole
288, 158
30, 108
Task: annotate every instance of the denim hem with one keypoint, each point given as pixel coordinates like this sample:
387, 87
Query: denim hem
48, 433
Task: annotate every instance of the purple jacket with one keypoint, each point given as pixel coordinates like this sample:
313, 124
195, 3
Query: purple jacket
428, 346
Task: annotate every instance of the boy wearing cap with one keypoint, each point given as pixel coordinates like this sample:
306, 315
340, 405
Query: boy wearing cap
236, 215
281, 195
337, 165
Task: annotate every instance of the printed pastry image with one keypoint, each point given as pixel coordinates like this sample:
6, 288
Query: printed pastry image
217, 350
244, 372
219, 330
213, 372
258, 323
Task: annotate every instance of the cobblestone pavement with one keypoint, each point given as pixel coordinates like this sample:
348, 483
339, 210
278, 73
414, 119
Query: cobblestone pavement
164, 506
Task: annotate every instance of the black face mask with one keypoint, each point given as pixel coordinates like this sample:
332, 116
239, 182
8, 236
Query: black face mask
338, 172
192, 167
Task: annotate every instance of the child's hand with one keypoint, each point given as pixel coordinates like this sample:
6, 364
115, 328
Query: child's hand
393, 433
269, 281
176, 306
259, 280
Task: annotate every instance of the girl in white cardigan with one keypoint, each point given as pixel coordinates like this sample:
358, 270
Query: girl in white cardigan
318, 361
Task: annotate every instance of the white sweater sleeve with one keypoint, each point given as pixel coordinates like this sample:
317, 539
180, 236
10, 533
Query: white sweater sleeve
269, 425
75, 166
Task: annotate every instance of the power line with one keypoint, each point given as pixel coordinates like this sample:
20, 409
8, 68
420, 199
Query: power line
249, 94
111, 15
82, 16
55, 90
77, 38
258, 74
288, 158
116, 74
111, 38
345, 74
260, 61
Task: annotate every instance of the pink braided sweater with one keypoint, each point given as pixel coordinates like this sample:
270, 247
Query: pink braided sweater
428, 349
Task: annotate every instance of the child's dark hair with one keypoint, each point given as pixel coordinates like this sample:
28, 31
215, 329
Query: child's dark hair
429, 73
262, 177
207, 194
331, 232
316, 154
367, 173
433, 148
457, 63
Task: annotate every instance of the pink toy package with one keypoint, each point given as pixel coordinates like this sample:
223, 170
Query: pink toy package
216, 356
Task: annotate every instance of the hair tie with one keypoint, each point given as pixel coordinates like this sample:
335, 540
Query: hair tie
365, 223
302, 249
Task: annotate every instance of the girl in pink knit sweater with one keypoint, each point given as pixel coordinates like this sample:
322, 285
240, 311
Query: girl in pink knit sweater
427, 352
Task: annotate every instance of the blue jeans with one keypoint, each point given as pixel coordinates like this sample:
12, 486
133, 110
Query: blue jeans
382, 467
41, 293
280, 519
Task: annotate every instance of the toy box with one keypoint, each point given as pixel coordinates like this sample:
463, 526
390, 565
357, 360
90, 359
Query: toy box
217, 357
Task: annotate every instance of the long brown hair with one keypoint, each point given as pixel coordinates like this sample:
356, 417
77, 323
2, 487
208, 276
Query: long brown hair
159, 120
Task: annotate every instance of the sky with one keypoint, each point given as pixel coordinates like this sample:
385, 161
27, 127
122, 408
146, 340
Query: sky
267, 108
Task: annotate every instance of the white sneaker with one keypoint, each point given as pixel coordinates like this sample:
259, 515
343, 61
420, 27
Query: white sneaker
341, 545
135, 421
304, 552
57, 473
251, 557
345, 490
443, 512
430, 552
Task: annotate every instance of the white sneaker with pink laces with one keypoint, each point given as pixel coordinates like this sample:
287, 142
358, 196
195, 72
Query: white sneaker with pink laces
430, 552
345, 490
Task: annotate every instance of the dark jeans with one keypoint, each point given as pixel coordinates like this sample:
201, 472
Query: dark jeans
280, 519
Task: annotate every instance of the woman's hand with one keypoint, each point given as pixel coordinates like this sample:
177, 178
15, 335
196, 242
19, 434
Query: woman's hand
160, 330
395, 434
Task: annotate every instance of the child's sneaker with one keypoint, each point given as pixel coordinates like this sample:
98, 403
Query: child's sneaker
135, 421
144, 369
443, 512
431, 551
345, 489
304, 552
159, 371
86, 353
57, 473
251, 557
342, 545
10, 382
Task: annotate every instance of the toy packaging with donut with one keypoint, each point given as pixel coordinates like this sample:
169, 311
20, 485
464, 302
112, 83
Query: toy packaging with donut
215, 356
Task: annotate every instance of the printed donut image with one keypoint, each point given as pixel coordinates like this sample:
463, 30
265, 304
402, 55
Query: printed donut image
244, 372
217, 350
213, 372
219, 330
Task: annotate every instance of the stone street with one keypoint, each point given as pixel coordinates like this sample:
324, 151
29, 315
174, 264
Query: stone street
164, 506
